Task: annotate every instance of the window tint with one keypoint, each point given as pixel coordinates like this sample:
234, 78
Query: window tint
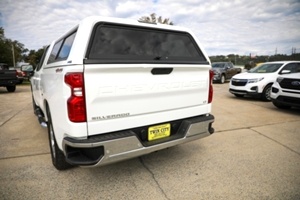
65, 50
293, 67
218, 65
266, 68
115, 43
3, 66
62, 49
54, 52
39, 66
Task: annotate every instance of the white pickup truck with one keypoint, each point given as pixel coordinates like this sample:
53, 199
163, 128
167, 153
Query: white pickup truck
112, 89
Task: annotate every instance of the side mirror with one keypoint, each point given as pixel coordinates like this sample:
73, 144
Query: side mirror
285, 71
27, 68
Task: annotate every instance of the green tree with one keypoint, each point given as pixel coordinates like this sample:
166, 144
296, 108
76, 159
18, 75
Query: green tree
8, 47
153, 19
34, 57
1, 33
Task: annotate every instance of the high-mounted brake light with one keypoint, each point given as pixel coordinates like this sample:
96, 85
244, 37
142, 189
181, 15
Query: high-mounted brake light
76, 102
210, 92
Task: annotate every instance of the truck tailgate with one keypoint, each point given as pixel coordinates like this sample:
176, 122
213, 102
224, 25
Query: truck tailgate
6, 75
124, 96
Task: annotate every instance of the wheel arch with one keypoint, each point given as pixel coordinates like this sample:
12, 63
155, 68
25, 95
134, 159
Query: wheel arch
48, 110
263, 94
269, 84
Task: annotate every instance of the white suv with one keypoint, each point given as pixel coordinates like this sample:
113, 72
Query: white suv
286, 91
258, 81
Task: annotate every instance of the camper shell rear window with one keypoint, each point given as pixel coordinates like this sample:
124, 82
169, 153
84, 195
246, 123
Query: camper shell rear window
114, 43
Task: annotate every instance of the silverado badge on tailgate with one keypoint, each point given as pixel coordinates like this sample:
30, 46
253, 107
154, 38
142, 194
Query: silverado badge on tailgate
160, 131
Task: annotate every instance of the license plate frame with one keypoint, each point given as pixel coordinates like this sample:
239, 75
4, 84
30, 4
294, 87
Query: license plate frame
159, 131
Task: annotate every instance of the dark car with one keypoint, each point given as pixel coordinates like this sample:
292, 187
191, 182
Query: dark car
20, 74
3, 66
8, 77
224, 71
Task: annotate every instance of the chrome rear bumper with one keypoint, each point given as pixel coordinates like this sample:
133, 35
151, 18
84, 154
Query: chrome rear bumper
120, 146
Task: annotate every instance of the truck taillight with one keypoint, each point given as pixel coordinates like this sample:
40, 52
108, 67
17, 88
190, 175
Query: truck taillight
210, 92
76, 102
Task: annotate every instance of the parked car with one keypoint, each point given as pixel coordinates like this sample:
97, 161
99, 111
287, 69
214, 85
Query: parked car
258, 81
20, 74
285, 91
224, 71
8, 77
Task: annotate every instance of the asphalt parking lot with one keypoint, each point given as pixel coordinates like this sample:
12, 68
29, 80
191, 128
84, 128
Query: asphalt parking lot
253, 154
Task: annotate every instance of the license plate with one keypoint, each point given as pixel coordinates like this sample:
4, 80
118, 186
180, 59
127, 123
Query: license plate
158, 132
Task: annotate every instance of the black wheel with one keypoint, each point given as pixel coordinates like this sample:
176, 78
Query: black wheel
280, 106
239, 95
58, 158
222, 80
266, 94
11, 88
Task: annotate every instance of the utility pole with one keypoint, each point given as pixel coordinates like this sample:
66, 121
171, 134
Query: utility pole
13, 54
293, 50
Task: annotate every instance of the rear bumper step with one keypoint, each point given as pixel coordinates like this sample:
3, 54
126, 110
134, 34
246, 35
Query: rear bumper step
113, 147
41, 117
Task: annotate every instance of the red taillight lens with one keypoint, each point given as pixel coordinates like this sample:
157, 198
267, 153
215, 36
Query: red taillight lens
210, 93
76, 102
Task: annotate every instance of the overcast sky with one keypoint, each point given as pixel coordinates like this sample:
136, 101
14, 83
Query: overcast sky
224, 27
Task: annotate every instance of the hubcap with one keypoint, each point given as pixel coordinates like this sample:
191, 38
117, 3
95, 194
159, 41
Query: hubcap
268, 93
223, 79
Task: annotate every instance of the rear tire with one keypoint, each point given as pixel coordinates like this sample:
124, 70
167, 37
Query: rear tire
266, 94
57, 156
11, 88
